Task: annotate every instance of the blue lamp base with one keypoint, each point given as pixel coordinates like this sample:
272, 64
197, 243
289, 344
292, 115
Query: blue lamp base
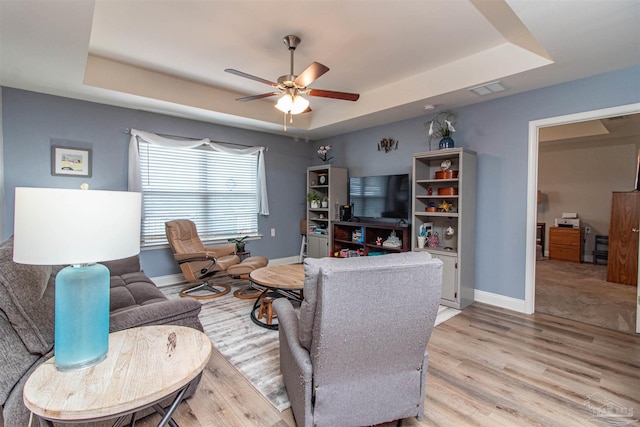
81, 316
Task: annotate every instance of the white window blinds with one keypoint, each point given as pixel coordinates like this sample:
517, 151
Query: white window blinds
218, 190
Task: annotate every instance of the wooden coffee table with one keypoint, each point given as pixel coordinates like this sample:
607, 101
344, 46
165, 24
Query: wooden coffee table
144, 366
277, 281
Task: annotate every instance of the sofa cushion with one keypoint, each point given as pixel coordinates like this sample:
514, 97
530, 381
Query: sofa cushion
15, 359
180, 312
119, 267
27, 299
136, 301
133, 290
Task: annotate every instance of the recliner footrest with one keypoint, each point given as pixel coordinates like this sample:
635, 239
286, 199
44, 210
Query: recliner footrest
247, 266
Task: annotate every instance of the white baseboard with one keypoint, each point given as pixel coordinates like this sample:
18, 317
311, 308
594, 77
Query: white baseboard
500, 301
282, 261
173, 279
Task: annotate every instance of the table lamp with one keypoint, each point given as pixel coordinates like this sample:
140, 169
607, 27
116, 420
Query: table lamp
77, 228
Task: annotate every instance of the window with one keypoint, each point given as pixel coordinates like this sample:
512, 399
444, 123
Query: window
218, 191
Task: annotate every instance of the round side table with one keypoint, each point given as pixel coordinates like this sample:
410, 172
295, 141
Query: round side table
144, 366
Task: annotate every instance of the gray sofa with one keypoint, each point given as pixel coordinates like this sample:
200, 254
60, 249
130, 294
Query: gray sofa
27, 312
357, 354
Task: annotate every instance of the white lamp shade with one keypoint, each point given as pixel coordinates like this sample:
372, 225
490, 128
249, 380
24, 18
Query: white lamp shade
63, 226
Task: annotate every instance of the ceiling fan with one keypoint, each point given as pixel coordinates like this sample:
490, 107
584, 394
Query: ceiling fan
291, 87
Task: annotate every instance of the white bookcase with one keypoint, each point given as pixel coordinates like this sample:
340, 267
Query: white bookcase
330, 183
457, 250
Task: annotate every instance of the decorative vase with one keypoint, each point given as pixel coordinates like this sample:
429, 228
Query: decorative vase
433, 241
315, 204
446, 142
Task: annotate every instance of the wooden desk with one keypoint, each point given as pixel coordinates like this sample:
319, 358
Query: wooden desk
277, 281
143, 367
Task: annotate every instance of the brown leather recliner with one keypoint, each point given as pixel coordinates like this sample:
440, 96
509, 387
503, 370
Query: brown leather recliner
199, 263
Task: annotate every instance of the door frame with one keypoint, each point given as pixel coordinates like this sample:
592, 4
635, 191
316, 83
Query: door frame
532, 190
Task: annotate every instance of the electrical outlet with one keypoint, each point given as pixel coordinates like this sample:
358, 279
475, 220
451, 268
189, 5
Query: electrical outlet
273, 232
587, 230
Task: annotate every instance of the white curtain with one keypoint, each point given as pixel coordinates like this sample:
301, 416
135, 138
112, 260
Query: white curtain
135, 178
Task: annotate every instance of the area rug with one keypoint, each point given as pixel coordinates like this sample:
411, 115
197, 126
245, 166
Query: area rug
251, 349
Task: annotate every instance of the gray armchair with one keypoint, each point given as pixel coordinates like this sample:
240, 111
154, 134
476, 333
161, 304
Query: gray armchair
357, 354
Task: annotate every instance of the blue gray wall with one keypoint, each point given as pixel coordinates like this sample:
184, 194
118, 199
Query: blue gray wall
498, 131
32, 120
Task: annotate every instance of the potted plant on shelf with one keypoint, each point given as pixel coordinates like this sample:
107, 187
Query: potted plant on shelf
442, 126
314, 199
239, 243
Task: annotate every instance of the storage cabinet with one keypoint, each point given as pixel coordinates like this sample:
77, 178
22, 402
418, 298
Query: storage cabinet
449, 277
363, 238
317, 246
330, 184
566, 244
444, 202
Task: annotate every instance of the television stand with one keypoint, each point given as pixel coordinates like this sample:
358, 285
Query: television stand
367, 238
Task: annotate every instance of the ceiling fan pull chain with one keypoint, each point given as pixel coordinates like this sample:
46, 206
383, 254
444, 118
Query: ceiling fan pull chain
285, 122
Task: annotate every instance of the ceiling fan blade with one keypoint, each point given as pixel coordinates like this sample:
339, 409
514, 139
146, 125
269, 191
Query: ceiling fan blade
332, 94
312, 72
253, 97
249, 76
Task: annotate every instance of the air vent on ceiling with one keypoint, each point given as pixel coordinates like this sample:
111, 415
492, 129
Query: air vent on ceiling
488, 88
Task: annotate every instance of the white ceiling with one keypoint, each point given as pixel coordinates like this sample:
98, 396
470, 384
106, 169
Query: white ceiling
169, 56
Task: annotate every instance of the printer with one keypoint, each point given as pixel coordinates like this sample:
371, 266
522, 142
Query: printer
568, 220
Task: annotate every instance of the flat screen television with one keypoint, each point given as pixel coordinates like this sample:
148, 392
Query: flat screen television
383, 198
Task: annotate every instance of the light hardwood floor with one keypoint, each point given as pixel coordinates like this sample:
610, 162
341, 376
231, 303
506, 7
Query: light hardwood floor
487, 367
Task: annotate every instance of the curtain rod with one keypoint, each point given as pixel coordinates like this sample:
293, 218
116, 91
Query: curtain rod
128, 132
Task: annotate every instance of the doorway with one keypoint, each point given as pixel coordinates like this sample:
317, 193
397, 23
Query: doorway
532, 195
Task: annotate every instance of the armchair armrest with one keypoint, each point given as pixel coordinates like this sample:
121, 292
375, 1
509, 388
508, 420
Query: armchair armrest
181, 312
195, 256
295, 360
288, 327
221, 250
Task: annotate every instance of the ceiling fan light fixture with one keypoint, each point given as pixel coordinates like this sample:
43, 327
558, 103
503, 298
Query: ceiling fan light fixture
292, 104
299, 104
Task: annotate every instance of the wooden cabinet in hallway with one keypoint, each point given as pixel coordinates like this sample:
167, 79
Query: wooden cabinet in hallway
622, 264
566, 244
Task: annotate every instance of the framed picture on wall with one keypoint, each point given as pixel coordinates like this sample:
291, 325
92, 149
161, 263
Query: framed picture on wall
68, 161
